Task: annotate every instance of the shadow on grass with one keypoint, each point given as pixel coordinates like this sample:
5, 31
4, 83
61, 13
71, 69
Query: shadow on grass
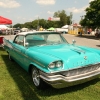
21, 78
1, 50
29, 91
52, 91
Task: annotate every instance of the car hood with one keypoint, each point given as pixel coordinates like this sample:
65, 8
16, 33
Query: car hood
72, 56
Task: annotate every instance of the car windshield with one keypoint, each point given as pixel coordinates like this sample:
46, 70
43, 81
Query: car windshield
44, 39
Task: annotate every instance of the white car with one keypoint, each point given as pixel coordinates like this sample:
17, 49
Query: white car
16, 32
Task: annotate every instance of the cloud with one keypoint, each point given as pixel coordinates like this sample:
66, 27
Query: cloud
51, 13
75, 1
76, 10
9, 4
91, 0
36, 16
46, 2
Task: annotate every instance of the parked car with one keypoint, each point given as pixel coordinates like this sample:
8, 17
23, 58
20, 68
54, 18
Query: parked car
16, 32
62, 30
1, 41
52, 60
0, 32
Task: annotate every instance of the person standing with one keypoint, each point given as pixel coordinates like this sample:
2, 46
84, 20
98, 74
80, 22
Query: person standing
41, 29
80, 31
97, 33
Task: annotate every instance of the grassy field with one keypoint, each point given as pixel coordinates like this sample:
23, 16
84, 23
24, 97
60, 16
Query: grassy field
16, 84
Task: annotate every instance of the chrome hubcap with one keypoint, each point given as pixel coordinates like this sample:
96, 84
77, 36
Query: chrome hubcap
36, 78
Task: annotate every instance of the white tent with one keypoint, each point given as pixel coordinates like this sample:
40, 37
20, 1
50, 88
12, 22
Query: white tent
3, 27
24, 29
65, 26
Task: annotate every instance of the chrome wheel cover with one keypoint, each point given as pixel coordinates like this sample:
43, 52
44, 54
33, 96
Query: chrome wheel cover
35, 77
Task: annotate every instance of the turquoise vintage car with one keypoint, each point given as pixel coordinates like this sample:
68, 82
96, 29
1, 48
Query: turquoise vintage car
52, 60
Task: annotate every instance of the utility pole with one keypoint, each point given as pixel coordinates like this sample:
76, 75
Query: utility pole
81, 17
71, 18
38, 24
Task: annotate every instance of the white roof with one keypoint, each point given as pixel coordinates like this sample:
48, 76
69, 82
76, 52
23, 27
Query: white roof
24, 33
31, 32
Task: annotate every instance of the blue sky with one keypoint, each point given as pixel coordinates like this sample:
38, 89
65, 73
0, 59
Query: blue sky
21, 11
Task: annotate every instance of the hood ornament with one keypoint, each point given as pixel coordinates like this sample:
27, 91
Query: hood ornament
73, 42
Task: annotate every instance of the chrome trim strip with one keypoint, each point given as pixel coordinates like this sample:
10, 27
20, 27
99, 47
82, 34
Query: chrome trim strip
31, 60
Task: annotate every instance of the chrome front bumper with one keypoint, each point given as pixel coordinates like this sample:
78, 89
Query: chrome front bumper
61, 81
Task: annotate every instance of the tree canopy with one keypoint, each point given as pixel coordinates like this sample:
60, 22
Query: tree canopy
64, 19
92, 17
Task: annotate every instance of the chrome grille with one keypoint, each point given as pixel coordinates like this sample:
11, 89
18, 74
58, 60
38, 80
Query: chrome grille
82, 70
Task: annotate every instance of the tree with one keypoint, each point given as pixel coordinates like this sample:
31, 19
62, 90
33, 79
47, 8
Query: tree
40, 22
17, 25
92, 17
64, 19
28, 25
51, 24
35, 24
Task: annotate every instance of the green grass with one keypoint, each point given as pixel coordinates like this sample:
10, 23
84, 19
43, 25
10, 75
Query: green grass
16, 84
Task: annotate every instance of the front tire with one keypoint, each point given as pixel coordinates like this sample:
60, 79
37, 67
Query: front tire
38, 82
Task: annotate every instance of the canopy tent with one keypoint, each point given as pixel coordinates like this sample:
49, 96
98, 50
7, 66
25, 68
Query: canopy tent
66, 26
51, 29
24, 29
5, 21
3, 27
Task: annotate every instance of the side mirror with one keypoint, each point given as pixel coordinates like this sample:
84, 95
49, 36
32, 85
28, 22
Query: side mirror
74, 42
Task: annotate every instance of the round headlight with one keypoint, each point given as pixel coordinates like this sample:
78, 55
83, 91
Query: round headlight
52, 65
58, 64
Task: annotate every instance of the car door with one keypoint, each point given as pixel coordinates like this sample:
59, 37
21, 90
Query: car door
19, 49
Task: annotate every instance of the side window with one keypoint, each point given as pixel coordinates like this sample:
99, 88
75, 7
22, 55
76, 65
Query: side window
19, 40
